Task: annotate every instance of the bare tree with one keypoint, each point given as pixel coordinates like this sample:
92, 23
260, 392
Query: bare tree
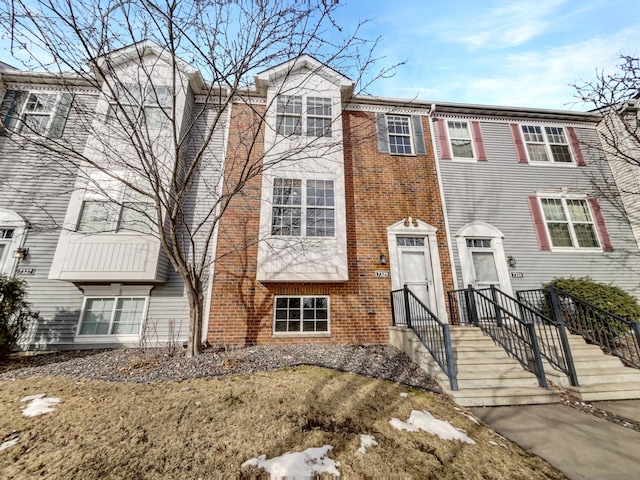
144, 158
616, 96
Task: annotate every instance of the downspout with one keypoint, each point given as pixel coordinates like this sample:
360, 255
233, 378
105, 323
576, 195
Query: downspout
442, 198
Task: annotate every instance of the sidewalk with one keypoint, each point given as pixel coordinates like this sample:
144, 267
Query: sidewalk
579, 444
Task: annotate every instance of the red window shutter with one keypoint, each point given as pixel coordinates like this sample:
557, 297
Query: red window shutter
575, 146
477, 140
445, 149
521, 151
602, 228
538, 223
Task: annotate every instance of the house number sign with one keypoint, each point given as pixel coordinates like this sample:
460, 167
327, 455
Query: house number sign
517, 275
382, 273
25, 271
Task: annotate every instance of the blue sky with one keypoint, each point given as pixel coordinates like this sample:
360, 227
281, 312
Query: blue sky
502, 52
517, 53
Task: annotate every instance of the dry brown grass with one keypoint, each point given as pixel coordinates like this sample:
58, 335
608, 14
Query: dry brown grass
207, 428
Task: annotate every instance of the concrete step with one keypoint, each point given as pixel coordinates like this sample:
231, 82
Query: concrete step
607, 391
484, 379
491, 397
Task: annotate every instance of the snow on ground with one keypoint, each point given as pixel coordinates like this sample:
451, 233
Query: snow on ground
39, 404
404, 394
366, 441
425, 421
311, 462
470, 417
9, 443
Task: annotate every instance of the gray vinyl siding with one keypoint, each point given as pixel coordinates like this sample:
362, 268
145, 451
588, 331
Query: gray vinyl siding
31, 186
28, 187
497, 191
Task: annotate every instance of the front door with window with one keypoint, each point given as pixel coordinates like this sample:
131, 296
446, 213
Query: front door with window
483, 263
415, 271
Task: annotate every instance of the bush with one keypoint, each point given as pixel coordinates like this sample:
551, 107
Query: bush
607, 297
597, 328
14, 313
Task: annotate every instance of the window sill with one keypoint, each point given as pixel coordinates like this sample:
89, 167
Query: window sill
463, 160
301, 335
576, 250
403, 154
553, 164
105, 338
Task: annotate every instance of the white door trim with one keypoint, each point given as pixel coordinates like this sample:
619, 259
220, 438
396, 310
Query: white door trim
410, 227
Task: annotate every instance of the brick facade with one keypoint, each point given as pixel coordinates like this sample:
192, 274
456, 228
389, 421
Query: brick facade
381, 190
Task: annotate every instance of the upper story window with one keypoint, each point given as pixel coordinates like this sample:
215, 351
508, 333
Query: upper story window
34, 112
289, 115
134, 104
460, 138
109, 206
548, 144
569, 223
303, 208
399, 135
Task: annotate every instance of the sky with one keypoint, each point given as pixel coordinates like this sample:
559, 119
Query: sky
496, 52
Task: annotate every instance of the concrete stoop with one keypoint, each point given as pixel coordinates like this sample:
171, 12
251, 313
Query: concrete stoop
487, 376
601, 376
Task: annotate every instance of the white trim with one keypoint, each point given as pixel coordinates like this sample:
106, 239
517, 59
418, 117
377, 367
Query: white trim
301, 333
410, 135
417, 228
12, 221
474, 158
574, 240
483, 230
547, 144
116, 338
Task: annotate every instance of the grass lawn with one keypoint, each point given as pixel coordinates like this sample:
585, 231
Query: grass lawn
207, 428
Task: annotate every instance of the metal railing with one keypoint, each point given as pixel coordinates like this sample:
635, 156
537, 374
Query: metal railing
458, 301
614, 334
408, 310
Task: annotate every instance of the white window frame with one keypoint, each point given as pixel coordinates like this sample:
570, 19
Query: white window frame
138, 104
326, 132
304, 208
19, 124
96, 338
408, 134
570, 223
453, 138
116, 196
284, 102
546, 142
301, 120
301, 333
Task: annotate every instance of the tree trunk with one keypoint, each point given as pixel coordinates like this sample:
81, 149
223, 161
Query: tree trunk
195, 295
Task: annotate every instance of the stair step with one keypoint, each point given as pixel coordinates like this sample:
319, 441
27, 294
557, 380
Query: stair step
479, 397
607, 391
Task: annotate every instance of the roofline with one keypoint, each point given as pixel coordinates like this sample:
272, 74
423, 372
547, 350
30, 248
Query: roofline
478, 109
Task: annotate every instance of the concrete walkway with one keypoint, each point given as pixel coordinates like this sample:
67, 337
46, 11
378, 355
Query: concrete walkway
579, 444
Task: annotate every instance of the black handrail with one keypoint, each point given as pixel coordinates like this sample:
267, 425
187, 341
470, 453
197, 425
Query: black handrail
490, 310
458, 301
613, 334
407, 309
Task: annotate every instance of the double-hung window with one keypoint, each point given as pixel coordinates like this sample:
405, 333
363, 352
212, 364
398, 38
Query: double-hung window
33, 112
112, 315
460, 138
546, 144
109, 206
134, 104
399, 130
301, 315
303, 208
318, 117
289, 115
569, 223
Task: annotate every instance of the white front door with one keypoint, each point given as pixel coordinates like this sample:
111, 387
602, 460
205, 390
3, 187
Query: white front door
415, 270
483, 263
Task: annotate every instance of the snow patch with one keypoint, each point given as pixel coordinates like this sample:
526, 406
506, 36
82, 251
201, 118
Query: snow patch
312, 461
39, 405
423, 420
9, 443
404, 394
471, 417
366, 441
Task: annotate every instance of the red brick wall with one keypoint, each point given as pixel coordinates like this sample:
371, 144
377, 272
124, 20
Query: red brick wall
380, 190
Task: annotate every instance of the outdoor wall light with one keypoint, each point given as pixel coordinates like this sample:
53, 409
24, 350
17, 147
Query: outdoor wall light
511, 261
20, 253
383, 259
